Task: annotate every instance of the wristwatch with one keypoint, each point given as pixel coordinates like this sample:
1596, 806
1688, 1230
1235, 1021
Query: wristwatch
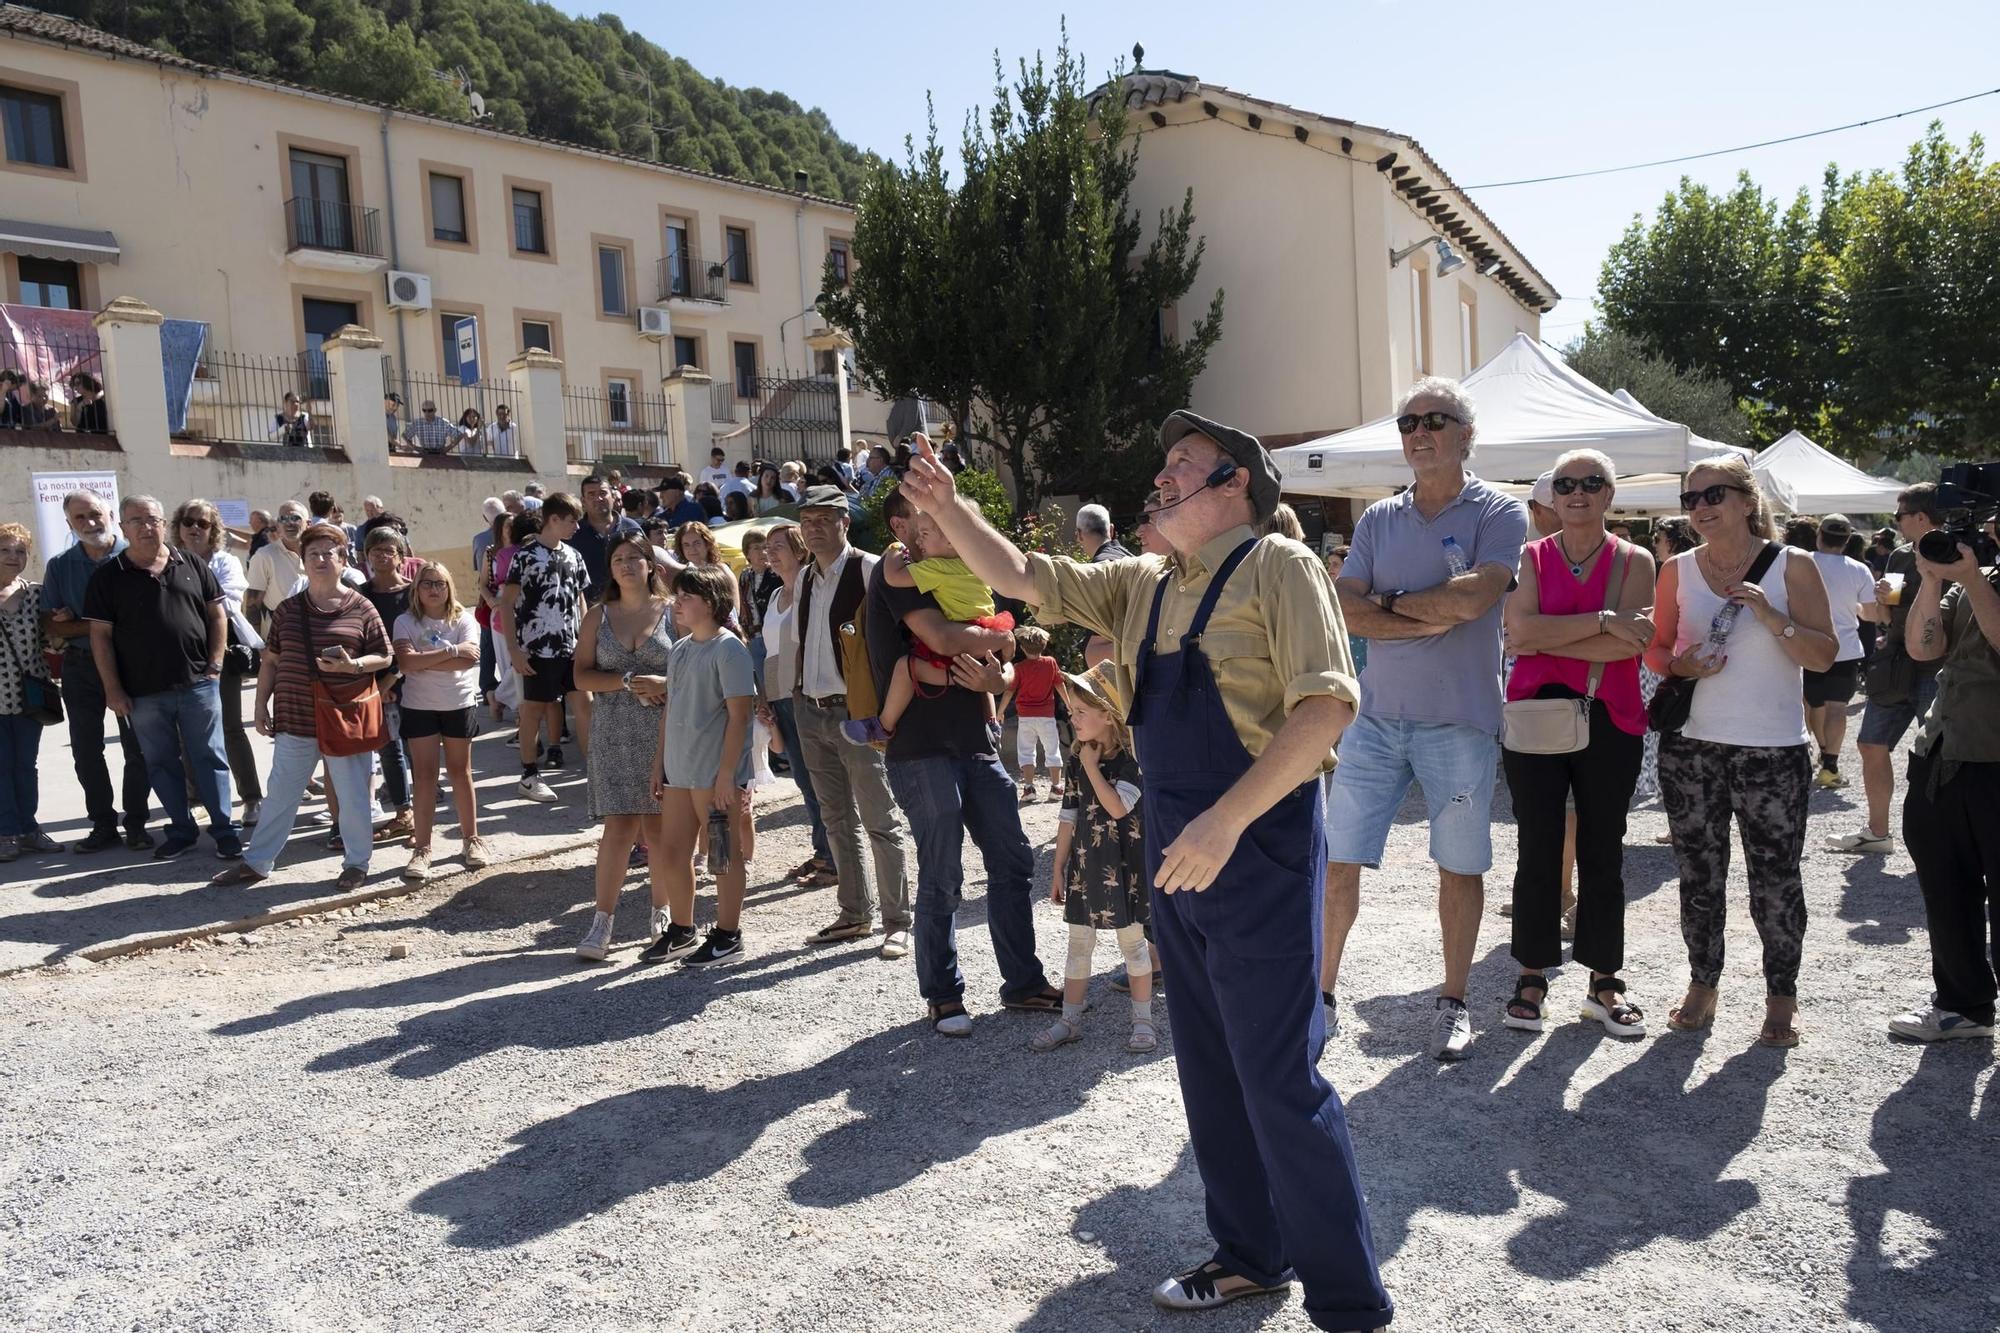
626, 680
1389, 599
1790, 631
1602, 617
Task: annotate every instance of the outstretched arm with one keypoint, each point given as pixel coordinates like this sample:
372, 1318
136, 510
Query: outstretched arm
985, 551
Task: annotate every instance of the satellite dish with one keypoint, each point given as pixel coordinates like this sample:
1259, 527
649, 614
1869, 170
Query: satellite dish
478, 105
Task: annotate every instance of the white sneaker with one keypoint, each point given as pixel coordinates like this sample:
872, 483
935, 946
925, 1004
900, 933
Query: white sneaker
535, 789
596, 945
1932, 1023
1862, 841
1451, 1030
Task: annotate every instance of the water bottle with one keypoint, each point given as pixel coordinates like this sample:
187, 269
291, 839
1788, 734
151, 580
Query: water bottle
718, 842
1454, 555
1718, 630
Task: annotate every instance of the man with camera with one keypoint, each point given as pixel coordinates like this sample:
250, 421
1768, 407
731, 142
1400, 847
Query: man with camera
1954, 777
1897, 686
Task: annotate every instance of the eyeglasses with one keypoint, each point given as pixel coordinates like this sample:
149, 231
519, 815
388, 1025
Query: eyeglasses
145, 520
1591, 484
430, 411
1708, 495
201, 524
1432, 421
291, 518
435, 585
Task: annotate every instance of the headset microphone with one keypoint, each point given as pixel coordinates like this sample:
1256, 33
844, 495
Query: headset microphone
1220, 477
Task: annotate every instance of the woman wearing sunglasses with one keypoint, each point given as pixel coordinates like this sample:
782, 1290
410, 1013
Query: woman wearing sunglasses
1747, 635
1577, 622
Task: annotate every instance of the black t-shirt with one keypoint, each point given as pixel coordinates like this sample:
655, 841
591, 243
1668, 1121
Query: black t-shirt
159, 624
954, 724
595, 548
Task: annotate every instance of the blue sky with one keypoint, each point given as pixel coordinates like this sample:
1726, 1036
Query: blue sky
1497, 93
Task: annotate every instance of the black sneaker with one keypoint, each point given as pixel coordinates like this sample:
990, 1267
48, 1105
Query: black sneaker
228, 846
100, 840
673, 943
139, 840
172, 846
553, 758
719, 945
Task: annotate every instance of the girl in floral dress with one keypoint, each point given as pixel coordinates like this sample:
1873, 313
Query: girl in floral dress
1100, 862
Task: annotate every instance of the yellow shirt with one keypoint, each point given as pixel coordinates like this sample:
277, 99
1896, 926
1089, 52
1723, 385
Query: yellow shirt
961, 594
1275, 637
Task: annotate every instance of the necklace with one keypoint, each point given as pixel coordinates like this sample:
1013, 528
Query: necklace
1576, 566
1715, 567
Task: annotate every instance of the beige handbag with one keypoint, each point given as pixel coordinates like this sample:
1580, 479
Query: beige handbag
1561, 726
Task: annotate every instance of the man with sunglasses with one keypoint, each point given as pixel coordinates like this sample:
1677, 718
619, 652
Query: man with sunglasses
1423, 583
276, 569
431, 433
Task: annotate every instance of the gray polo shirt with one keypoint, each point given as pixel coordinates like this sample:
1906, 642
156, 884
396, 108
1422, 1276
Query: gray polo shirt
1448, 677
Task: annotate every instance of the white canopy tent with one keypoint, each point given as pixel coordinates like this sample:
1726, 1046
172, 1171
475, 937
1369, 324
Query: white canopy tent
1699, 446
1799, 477
1532, 409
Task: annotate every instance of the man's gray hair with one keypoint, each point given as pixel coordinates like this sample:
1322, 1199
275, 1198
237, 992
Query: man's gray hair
1451, 391
1597, 456
1094, 519
505, 496
80, 494
534, 488
131, 502
291, 506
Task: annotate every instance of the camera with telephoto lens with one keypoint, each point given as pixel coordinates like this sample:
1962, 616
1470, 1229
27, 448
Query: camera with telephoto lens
1969, 495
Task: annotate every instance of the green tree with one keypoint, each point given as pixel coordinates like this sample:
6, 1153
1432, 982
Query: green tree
1027, 300
1699, 399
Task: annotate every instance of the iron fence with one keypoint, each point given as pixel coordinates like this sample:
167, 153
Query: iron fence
325, 224
795, 418
55, 372
454, 401
239, 398
616, 426
684, 276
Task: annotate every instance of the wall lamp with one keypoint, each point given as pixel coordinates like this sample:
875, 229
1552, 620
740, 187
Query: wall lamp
1490, 267
1449, 260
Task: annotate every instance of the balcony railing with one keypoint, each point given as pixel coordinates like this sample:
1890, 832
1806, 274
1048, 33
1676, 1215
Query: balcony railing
322, 224
616, 429
684, 276
239, 398
454, 400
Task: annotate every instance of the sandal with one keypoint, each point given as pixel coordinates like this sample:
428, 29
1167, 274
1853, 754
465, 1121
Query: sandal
1143, 1038
1059, 1033
1045, 999
1618, 1018
1531, 1022
1779, 1033
1685, 1017
949, 1019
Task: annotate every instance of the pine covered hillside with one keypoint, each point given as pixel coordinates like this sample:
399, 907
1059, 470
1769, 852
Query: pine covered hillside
586, 81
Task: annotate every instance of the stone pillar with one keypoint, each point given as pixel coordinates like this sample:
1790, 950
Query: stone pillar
354, 368
128, 331
688, 417
537, 377
842, 347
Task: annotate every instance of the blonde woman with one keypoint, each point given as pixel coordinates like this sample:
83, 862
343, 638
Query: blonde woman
198, 530
1745, 618
437, 650
20, 731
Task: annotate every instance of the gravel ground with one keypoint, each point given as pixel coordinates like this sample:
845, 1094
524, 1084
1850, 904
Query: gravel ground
296, 1130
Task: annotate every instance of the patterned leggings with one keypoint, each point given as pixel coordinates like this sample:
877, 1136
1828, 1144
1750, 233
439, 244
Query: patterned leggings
1703, 783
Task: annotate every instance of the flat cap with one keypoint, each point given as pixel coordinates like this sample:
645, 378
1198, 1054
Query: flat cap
1247, 451
825, 497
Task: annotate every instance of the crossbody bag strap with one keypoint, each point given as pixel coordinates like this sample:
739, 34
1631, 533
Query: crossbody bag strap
1613, 586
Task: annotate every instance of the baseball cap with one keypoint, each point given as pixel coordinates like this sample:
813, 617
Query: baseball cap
1544, 493
825, 497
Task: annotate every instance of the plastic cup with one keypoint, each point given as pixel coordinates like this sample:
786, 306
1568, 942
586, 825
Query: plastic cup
1894, 579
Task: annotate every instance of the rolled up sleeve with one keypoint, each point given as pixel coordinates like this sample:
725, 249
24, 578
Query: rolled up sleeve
1308, 638
1096, 597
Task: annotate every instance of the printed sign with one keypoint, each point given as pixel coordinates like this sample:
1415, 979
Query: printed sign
466, 331
235, 514
52, 534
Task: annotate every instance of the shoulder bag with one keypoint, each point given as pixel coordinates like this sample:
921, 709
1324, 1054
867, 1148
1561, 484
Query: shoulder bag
1668, 712
342, 726
1562, 726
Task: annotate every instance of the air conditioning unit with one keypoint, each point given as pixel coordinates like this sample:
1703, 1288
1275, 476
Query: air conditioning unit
409, 291
655, 322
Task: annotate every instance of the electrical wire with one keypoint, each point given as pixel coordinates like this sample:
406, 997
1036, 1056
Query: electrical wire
1722, 152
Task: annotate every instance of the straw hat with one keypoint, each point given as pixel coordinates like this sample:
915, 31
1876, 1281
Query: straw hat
1103, 684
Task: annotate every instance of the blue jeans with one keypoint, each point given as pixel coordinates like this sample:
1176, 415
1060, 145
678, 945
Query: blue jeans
293, 760
946, 797
489, 665
788, 730
1380, 758
20, 792
188, 718
83, 699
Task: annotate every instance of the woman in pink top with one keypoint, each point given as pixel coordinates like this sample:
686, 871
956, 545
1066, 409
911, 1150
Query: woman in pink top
1560, 624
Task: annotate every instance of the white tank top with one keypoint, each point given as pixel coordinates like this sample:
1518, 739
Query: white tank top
1758, 698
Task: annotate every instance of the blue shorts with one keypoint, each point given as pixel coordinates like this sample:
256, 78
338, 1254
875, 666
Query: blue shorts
1455, 764
1884, 723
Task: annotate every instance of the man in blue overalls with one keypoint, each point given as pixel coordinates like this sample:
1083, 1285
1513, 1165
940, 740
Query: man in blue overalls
1242, 683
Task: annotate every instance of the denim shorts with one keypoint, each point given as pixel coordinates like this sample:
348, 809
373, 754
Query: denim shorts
1456, 766
1884, 723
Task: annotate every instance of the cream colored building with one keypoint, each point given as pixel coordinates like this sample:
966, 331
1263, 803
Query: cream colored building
277, 214
1302, 214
